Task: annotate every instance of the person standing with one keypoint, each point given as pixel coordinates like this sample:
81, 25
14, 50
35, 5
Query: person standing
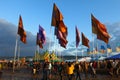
77, 71
70, 70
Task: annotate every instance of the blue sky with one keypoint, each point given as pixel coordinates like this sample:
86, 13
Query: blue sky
75, 12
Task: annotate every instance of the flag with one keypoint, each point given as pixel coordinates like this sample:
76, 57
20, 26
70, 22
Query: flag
103, 38
97, 26
23, 37
62, 27
117, 49
41, 37
103, 34
42, 34
95, 23
100, 30
77, 37
102, 49
85, 41
38, 41
88, 51
21, 31
61, 37
56, 16
109, 49
96, 51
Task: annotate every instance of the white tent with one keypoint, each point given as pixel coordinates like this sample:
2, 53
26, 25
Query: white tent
102, 58
87, 59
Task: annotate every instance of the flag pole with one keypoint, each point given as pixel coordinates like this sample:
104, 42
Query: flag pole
76, 55
38, 53
93, 44
18, 52
15, 53
50, 39
82, 50
106, 51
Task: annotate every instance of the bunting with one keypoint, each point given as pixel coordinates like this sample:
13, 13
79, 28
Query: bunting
77, 37
21, 31
100, 30
85, 41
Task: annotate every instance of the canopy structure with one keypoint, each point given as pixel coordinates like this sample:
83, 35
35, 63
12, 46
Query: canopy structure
86, 59
102, 58
114, 57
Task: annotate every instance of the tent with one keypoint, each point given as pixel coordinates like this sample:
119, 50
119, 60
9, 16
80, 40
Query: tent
102, 58
87, 59
114, 57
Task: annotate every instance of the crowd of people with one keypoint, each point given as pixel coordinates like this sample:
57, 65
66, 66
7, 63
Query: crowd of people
71, 70
75, 69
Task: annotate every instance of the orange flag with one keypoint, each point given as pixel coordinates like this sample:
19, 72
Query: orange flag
85, 41
62, 27
21, 31
95, 23
100, 30
56, 16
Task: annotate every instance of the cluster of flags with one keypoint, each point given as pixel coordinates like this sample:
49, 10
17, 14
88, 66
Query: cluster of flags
61, 32
41, 35
103, 49
60, 28
85, 41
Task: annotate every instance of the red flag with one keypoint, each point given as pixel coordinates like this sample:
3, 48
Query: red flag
99, 29
23, 37
77, 37
56, 16
103, 38
85, 41
95, 23
21, 31
62, 27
